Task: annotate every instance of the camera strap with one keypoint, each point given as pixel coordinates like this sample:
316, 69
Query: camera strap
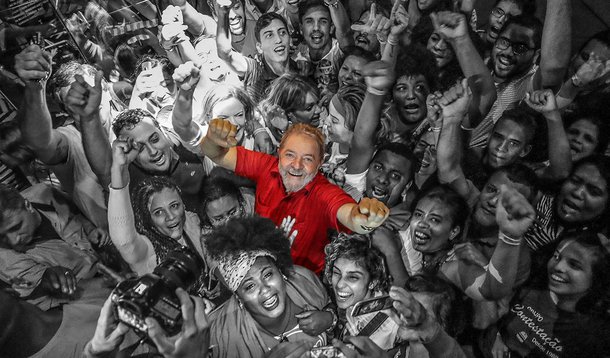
373, 324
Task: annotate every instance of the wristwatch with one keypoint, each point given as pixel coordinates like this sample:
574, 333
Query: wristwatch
576, 81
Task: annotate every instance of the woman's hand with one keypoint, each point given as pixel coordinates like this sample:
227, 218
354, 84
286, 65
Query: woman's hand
514, 214
194, 338
59, 280
286, 227
414, 321
109, 333
467, 252
314, 322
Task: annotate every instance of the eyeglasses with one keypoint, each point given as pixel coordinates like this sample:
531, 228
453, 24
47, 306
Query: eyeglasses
519, 48
498, 12
235, 212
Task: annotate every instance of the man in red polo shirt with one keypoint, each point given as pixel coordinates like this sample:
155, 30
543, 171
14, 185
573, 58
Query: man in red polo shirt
291, 185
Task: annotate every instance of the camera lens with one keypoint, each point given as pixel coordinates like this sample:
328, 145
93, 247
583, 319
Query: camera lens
181, 268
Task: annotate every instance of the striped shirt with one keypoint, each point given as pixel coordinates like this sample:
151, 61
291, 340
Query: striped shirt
259, 75
509, 95
545, 229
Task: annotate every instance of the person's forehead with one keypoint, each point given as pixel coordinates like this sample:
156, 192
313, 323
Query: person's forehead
574, 250
584, 125
310, 98
301, 144
346, 265
510, 7
510, 129
591, 174
142, 130
393, 161
432, 205
260, 264
274, 25
317, 12
500, 178
230, 104
355, 62
412, 79
163, 197
519, 34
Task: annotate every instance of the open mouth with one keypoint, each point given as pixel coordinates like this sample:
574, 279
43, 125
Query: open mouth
159, 161
420, 237
235, 21
556, 278
271, 303
493, 32
362, 40
411, 108
378, 192
173, 226
293, 2
569, 207
280, 50
504, 63
342, 296
317, 37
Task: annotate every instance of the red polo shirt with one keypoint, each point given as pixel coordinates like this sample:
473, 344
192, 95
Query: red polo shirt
314, 207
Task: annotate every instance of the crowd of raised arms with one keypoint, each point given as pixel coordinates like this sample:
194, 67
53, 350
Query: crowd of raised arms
306, 161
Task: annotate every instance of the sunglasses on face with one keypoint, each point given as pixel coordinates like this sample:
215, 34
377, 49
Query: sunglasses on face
519, 48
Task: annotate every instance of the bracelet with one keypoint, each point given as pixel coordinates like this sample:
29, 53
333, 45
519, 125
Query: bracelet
391, 41
434, 129
259, 130
508, 240
375, 91
335, 318
195, 141
576, 81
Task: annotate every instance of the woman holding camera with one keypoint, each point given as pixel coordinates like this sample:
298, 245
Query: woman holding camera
273, 301
154, 222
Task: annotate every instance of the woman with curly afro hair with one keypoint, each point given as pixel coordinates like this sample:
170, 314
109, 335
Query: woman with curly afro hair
273, 301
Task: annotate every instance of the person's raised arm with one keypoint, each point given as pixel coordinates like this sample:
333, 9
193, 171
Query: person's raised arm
591, 75
219, 143
379, 79
173, 39
454, 104
186, 77
340, 19
235, 60
454, 28
514, 216
84, 101
132, 246
559, 147
33, 65
363, 217
556, 44
399, 22
198, 24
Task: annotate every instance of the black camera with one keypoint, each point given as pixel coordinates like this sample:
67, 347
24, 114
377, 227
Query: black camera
153, 295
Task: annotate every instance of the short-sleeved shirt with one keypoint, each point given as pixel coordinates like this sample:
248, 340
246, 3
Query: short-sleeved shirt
315, 206
509, 95
326, 70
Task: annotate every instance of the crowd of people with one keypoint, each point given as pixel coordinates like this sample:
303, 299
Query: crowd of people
315, 158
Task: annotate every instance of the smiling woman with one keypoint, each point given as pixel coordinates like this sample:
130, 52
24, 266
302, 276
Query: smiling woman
254, 263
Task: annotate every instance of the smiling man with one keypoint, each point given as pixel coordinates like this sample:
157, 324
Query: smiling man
526, 56
292, 185
272, 46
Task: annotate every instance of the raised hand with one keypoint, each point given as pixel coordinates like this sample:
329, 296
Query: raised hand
59, 280
415, 322
109, 333
467, 252
434, 110
124, 151
314, 322
84, 99
286, 227
399, 18
376, 24
542, 101
186, 76
194, 338
226, 4
369, 214
222, 133
514, 213
451, 25
172, 14
33, 64
593, 70
455, 101
378, 75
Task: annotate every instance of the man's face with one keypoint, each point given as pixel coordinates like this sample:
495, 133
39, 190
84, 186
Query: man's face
299, 161
387, 177
595, 46
17, 230
507, 143
274, 42
410, 93
351, 70
514, 52
365, 40
485, 208
498, 17
317, 27
155, 151
237, 19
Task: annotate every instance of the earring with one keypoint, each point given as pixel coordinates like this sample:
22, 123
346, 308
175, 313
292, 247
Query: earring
284, 277
239, 303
